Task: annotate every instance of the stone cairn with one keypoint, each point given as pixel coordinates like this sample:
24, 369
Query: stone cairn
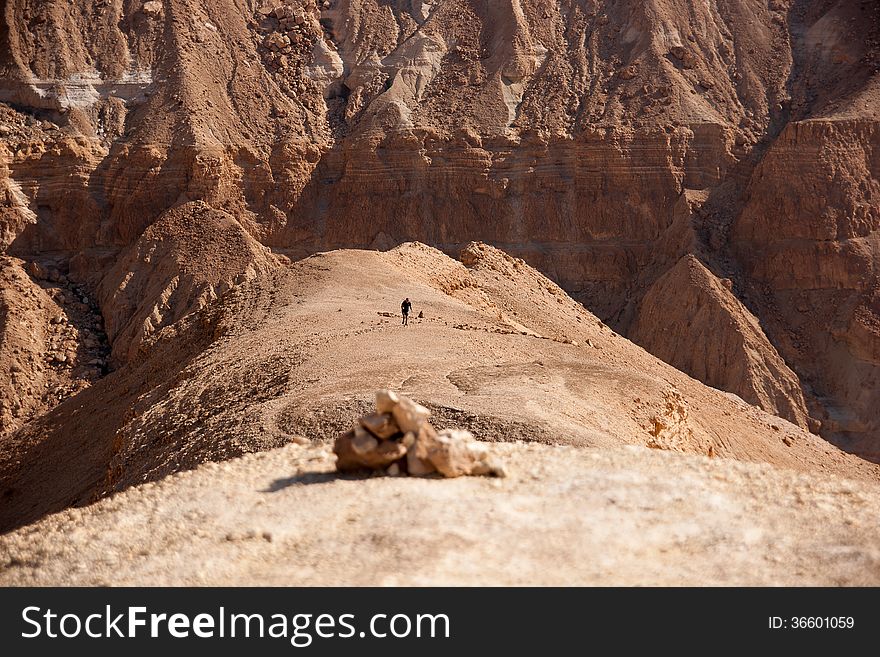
398, 439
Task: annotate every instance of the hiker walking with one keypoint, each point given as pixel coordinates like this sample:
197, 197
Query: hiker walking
405, 307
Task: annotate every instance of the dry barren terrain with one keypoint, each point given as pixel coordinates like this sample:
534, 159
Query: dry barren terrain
645, 224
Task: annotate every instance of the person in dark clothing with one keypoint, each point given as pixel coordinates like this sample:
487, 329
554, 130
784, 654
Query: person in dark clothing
405, 307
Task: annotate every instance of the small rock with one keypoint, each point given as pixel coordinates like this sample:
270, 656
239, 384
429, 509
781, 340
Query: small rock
37, 271
386, 400
685, 56
456, 453
629, 72
381, 425
788, 440
366, 455
152, 8
363, 443
417, 462
393, 470
409, 415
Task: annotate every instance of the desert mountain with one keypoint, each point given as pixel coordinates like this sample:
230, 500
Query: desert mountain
621, 469
202, 202
733, 352
600, 141
295, 353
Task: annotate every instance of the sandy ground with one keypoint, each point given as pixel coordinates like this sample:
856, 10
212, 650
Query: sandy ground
563, 516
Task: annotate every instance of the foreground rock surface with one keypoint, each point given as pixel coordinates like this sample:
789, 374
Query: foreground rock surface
563, 516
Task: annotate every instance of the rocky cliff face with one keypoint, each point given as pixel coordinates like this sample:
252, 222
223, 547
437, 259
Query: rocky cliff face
691, 319
601, 141
818, 278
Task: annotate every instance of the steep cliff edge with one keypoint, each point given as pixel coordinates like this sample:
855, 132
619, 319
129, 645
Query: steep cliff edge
566, 132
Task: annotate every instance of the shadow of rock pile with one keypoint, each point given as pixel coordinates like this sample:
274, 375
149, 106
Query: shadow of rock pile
398, 439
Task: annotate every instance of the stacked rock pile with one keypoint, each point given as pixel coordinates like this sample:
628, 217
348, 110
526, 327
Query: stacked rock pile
398, 439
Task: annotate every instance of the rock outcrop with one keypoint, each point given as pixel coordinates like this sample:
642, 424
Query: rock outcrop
669, 429
52, 341
817, 278
27, 314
